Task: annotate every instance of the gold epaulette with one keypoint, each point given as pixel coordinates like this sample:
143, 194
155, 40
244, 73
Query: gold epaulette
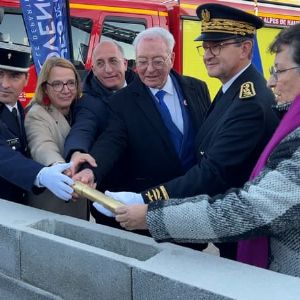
247, 90
157, 193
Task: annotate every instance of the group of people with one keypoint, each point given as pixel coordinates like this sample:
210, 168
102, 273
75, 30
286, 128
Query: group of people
186, 170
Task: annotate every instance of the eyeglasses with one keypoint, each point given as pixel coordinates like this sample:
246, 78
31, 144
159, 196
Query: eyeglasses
113, 62
157, 62
274, 72
216, 48
58, 85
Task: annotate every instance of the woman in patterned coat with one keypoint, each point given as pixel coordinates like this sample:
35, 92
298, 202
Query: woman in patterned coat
267, 207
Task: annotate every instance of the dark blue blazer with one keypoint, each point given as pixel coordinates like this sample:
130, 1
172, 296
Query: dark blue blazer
230, 141
90, 115
17, 171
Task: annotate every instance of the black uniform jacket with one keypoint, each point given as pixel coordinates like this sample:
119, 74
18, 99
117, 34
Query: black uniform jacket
137, 134
17, 171
237, 128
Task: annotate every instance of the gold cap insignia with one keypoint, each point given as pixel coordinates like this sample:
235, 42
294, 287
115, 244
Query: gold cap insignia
247, 90
205, 14
9, 55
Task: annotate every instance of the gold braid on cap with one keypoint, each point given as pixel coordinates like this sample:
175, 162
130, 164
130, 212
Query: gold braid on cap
227, 26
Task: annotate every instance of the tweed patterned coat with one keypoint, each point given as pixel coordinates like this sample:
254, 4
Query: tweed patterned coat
267, 206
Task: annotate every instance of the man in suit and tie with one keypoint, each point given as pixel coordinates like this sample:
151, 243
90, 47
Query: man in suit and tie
153, 120
240, 121
18, 173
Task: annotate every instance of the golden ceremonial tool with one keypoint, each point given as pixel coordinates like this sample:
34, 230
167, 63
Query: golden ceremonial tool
85, 191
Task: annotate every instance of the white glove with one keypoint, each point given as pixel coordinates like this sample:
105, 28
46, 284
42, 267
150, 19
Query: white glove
124, 197
58, 183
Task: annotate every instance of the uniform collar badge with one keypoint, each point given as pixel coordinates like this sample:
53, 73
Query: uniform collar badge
247, 90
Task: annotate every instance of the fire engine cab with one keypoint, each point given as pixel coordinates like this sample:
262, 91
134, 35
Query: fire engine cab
122, 20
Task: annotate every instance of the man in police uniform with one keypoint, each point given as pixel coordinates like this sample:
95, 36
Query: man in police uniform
18, 173
240, 120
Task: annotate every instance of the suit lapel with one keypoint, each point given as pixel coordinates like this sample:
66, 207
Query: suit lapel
60, 120
216, 114
23, 133
145, 102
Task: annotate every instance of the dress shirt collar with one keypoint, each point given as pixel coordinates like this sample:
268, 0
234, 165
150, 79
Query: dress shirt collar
227, 85
168, 87
10, 108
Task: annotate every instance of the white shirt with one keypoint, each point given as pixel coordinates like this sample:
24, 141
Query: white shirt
227, 85
11, 108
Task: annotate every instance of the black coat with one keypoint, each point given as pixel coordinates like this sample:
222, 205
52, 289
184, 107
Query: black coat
17, 171
90, 115
136, 133
230, 141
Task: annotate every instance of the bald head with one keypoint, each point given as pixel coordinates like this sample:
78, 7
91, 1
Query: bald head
109, 64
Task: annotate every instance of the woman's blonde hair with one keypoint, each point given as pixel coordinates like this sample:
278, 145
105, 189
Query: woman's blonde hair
50, 63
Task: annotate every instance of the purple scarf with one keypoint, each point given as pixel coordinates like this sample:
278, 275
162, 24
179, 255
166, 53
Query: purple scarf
256, 251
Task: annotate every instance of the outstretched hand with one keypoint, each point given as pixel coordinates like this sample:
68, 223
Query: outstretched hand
78, 159
53, 179
124, 197
85, 176
132, 217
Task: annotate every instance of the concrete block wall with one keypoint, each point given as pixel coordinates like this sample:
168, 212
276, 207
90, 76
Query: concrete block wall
49, 256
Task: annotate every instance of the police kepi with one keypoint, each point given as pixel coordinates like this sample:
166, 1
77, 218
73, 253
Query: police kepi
14, 57
220, 22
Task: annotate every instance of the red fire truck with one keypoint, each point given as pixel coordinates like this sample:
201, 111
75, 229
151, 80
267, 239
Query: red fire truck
122, 20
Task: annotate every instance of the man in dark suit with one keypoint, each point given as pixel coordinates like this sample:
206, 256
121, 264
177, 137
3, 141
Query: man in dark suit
154, 136
18, 173
240, 121
109, 74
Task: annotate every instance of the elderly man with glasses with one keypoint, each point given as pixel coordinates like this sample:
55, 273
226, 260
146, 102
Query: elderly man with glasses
240, 121
154, 120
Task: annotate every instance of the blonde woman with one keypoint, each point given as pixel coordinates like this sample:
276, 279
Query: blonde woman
47, 124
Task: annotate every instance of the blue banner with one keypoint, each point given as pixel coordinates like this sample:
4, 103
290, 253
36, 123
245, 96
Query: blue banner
47, 29
256, 59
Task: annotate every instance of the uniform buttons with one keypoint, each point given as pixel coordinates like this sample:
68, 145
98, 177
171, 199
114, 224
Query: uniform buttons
13, 147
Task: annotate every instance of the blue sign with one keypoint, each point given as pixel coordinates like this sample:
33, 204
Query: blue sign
47, 29
256, 59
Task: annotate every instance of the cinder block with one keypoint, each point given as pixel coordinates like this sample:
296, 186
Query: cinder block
109, 240
17, 290
148, 286
9, 252
53, 261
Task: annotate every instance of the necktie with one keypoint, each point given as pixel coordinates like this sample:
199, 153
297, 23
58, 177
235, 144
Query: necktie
175, 134
164, 109
16, 117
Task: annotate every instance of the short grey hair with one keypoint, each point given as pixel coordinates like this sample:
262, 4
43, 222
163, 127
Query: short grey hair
119, 47
154, 32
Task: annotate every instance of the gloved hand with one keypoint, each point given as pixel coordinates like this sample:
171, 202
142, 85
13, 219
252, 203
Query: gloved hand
58, 183
125, 197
